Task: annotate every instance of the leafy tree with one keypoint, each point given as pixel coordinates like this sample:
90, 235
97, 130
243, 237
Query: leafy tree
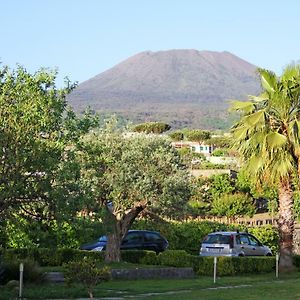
39, 174
267, 137
131, 175
88, 272
176, 135
152, 127
233, 205
197, 135
31, 110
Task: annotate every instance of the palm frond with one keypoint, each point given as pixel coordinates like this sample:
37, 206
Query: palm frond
246, 107
275, 140
268, 80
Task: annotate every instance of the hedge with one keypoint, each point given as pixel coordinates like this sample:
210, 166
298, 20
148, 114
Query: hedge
172, 258
234, 265
51, 257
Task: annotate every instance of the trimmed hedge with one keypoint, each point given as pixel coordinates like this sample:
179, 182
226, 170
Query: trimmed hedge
172, 258
234, 265
51, 257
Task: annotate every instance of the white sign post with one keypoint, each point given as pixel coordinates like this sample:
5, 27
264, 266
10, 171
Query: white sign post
21, 280
277, 264
215, 269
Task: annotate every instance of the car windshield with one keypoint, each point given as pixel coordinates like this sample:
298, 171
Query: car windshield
217, 239
103, 238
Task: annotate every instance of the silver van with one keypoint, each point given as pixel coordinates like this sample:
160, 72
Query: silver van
233, 243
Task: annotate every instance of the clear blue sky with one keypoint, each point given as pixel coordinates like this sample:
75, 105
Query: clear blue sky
83, 38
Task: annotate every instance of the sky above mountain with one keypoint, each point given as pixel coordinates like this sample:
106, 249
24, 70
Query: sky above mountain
85, 38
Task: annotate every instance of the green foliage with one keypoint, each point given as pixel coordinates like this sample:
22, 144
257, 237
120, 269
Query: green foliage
27, 233
139, 256
185, 235
152, 127
233, 205
176, 135
86, 272
221, 184
174, 258
220, 152
51, 257
227, 266
11, 270
268, 235
197, 135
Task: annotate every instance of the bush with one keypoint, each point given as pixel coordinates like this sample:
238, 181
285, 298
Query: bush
268, 235
10, 270
52, 257
139, 256
86, 272
233, 265
175, 258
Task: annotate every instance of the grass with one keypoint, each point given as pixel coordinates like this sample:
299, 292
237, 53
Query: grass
264, 286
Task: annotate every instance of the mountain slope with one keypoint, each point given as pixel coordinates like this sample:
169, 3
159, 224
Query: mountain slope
182, 87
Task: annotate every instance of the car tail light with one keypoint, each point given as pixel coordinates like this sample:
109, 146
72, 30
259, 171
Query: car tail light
231, 241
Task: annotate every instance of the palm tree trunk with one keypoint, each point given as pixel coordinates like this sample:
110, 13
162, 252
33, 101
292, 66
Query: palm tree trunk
286, 226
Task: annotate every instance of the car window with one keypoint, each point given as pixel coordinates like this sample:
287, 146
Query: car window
242, 239
152, 237
253, 240
133, 237
103, 238
217, 239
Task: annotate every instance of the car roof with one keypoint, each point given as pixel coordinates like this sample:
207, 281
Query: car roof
137, 230
227, 232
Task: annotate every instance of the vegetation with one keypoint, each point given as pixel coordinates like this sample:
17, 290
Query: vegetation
265, 286
267, 138
88, 273
152, 127
130, 175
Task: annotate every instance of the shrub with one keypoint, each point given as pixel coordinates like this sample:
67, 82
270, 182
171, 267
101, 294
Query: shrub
268, 235
86, 272
296, 260
137, 256
233, 265
52, 257
10, 270
175, 258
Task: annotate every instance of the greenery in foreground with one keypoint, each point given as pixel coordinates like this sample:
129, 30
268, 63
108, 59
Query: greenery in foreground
264, 286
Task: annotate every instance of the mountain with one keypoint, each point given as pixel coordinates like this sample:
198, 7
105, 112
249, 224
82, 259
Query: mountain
185, 88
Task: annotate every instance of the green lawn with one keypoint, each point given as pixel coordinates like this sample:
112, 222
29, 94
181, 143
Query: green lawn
240, 287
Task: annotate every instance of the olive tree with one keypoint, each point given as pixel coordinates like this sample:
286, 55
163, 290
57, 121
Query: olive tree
131, 174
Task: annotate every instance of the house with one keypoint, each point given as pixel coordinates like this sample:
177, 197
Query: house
196, 147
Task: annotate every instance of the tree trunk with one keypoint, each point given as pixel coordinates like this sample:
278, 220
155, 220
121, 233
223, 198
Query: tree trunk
286, 226
112, 252
121, 227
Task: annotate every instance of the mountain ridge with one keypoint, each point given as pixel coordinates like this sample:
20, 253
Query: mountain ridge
184, 87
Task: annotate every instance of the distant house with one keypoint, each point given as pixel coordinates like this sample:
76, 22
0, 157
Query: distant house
196, 147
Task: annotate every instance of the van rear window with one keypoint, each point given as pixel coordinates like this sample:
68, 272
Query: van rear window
217, 239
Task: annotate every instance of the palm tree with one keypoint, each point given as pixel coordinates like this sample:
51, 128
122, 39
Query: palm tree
267, 137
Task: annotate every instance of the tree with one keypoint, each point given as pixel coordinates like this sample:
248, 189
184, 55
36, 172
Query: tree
233, 205
197, 135
31, 110
152, 127
267, 138
131, 175
39, 177
176, 136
